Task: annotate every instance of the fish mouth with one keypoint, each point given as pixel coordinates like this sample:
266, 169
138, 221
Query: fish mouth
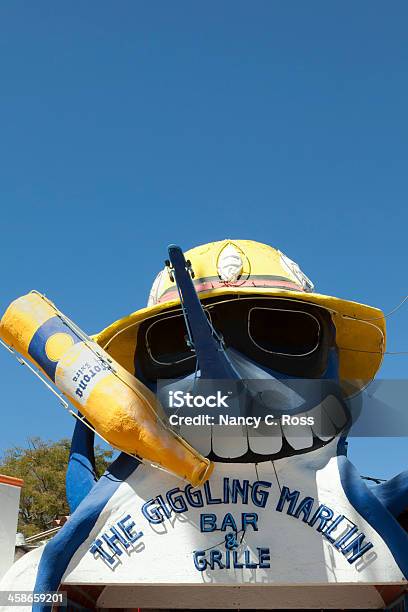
272, 442
282, 430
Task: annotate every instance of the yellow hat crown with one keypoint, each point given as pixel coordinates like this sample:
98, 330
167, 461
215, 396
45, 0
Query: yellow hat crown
236, 264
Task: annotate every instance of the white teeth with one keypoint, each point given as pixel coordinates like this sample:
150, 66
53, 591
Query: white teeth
335, 411
266, 439
233, 441
298, 436
198, 437
323, 427
229, 441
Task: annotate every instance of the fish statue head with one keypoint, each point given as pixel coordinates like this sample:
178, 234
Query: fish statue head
249, 363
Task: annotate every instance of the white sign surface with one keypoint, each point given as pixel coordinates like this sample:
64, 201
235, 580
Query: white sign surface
251, 524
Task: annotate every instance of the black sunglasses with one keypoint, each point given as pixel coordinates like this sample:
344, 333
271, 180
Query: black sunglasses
284, 335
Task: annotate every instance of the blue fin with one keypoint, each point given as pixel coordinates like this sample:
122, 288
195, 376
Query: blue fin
393, 494
81, 474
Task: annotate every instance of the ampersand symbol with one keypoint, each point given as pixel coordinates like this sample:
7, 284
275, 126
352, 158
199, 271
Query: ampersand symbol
230, 541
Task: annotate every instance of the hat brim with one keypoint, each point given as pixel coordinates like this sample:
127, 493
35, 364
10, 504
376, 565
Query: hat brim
360, 331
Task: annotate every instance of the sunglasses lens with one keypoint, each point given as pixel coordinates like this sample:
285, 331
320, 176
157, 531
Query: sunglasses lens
167, 341
284, 332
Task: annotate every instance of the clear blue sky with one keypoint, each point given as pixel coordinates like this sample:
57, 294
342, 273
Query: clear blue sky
127, 126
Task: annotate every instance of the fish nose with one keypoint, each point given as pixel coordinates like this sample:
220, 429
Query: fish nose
212, 359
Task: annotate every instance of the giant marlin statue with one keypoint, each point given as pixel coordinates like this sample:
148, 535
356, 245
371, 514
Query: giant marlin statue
264, 494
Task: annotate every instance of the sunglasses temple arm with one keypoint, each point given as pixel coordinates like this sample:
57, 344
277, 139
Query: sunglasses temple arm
211, 356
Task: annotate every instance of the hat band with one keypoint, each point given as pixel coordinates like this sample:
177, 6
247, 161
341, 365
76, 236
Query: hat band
213, 282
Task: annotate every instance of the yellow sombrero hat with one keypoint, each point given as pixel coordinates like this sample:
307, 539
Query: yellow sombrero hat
246, 267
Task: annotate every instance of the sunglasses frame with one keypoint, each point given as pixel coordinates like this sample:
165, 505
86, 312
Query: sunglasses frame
173, 315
